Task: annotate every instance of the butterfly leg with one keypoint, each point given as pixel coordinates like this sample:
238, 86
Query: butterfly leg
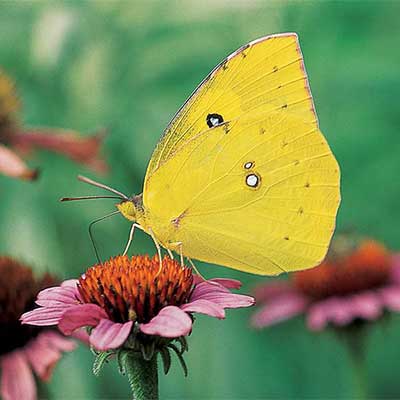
171, 255
177, 245
131, 232
158, 250
195, 269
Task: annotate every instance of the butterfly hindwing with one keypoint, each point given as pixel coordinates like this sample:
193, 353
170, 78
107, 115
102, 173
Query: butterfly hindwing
259, 193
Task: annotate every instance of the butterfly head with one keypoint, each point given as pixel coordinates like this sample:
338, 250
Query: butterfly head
132, 209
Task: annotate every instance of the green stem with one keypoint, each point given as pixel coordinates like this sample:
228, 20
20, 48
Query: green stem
142, 376
360, 375
354, 338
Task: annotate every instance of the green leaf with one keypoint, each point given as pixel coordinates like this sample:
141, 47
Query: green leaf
184, 344
166, 359
148, 350
121, 359
180, 358
99, 361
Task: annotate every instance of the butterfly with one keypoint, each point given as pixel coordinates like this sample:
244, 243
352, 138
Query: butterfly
242, 176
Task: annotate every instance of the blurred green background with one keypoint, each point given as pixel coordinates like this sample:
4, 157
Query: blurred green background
128, 66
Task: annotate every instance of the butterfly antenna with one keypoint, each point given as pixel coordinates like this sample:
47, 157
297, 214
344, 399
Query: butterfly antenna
90, 198
91, 233
102, 186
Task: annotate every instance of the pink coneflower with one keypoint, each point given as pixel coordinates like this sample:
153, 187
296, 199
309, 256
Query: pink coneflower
132, 305
358, 283
354, 284
17, 141
123, 292
23, 348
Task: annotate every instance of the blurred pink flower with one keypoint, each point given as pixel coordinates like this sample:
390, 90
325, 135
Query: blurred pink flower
40, 355
12, 165
354, 285
17, 141
23, 349
124, 293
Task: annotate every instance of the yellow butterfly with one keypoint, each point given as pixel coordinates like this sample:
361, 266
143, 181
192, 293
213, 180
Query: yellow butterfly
242, 176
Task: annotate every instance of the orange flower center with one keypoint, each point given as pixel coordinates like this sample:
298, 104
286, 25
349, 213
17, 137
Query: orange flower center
132, 289
18, 290
367, 267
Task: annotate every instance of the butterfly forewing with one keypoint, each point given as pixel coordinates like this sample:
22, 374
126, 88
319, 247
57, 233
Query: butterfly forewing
267, 73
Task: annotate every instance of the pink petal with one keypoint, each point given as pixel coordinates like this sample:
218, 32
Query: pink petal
204, 307
110, 335
170, 322
227, 283
390, 296
82, 335
79, 316
59, 296
70, 283
271, 290
198, 279
333, 310
205, 288
42, 357
216, 293
17, 380
282, 308
343, 310
230, 300
82, 149
366, 305
395, 271
43, 316
58, 341
12, 165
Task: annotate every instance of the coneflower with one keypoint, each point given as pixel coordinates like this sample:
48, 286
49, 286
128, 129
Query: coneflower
24, 348
17, 140
136, 311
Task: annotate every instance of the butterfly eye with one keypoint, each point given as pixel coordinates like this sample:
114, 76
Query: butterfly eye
252, 180
214, 120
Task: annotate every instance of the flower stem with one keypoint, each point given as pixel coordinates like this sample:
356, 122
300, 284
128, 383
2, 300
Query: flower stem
354, 338
142, 376
360, 376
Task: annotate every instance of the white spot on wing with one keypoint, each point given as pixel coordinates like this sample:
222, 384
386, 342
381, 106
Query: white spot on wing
252, 180
214, 121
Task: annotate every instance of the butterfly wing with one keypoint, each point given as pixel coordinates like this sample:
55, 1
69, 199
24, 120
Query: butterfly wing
258, 193
267, 73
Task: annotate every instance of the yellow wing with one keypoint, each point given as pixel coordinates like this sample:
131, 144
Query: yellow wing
258, 193
266, 74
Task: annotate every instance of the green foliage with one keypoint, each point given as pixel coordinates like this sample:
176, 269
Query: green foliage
128, 66
100, 359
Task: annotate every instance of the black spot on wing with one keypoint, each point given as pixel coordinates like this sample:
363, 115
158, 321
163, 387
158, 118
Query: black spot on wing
214, 120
